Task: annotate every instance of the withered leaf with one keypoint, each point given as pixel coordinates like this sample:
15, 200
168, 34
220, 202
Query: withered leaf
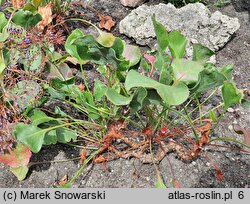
106, 22
83, 156
46, 13
62, 181
244, 132
17, 4
100, 159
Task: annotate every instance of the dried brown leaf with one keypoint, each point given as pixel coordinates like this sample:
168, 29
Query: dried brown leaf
83, 156
100, 159
205, 131
17, 4
62, 181
46, 13
244, 132
106, 22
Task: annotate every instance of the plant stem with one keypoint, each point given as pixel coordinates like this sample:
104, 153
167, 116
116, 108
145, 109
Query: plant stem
47, 162
141, 121
191, 124
230, 139
188, 119
200, 110
209, 111
87, 22
84, 78
213, 92
83, 166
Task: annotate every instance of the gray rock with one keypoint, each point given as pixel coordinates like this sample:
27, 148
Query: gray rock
132, 3
195, 21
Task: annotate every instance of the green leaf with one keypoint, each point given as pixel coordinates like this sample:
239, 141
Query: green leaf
83, 45
99, 90
55, 94
30, 7
105, 39
71, 48
30, 135
132, 54
138, 99
231, 95
172, 95
37, 3
153, 98
38, 117
117, 98
26, 18
3, 21
50, 138
20, 172
161, 34
209, 78
212, 115
2, 64
227, 71
177, 44
201, 53
65, 135
88, 49
162, 63
4, 36
58, 111
20, 156
118, 47
186, 71
60, 71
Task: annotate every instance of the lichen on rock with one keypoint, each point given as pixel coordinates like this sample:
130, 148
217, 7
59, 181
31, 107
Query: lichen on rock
194, 21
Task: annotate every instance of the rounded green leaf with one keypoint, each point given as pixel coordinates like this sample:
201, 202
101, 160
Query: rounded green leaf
201, 53
2, 64
30, 135
186, 71
117, 98
177, 44
105, 39
38, 117
3, 21
161, 34
50, 138
65, 135
70, 47
172, 95
132, 54
20, 172
26, 18
231, 95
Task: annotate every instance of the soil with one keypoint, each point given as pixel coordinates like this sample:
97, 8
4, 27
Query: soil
132, 173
